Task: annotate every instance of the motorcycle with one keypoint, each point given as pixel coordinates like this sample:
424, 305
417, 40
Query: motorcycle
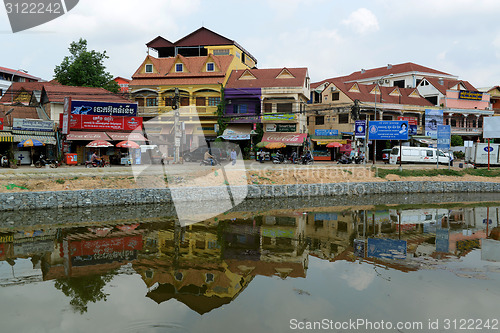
344, 160
278, 159
212, 162
43, 162
97, 164
306, 160
4, 161
359, 159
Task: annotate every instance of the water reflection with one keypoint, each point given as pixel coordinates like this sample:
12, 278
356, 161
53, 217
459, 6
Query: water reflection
208, 265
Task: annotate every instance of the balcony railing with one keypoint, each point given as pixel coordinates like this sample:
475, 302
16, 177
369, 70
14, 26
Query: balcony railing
153, 111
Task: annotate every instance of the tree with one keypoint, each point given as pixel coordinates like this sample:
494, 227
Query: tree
85, 68
456, 140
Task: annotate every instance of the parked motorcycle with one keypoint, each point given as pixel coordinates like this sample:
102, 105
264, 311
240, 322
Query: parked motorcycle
4, 161
279, 158
359, 159
42, 161
344, 160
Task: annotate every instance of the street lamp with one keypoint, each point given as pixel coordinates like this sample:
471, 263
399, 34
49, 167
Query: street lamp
375, 112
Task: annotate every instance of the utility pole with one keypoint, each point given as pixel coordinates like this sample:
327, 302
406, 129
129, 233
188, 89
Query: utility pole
177, 129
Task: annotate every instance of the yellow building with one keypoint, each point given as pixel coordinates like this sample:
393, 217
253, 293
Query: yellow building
197, 66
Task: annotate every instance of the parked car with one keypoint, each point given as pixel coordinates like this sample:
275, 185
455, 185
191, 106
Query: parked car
199, 153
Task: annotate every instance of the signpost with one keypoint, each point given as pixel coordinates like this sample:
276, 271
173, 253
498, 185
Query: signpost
443, 141
388, 130
360, 133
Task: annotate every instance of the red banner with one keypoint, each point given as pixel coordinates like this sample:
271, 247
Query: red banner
1, 124
411, 120
115, 123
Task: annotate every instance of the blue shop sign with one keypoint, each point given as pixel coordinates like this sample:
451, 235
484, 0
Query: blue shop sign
326, 132
104, 108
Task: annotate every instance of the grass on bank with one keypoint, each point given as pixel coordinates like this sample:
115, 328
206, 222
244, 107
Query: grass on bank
382, 173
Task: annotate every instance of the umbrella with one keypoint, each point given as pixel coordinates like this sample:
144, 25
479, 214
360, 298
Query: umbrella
30, 143
99, 144
262, 144
127, 144
334, 145
275, 145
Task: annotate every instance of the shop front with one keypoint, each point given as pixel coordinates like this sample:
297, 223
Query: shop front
41, 131
293, 142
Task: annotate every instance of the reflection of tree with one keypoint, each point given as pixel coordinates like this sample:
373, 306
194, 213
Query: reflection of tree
84, 289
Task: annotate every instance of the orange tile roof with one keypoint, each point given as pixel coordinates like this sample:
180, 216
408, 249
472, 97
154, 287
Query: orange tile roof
25, 112
17, 87
393, 69
265, 78
194, 74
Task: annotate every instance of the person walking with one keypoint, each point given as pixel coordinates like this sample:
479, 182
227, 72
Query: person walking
233, 156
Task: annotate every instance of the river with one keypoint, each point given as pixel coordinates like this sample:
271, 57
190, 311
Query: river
410, 264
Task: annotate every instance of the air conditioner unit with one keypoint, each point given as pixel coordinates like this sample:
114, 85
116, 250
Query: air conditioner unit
386, 81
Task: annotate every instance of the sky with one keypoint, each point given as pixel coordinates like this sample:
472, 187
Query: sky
330, 37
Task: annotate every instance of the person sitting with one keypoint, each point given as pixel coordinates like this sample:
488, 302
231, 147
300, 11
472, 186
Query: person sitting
209, 158
293, 157
95, 158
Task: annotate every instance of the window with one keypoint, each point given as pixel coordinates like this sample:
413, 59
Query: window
268, 107
320, 120
284, 107
139, 101
429, 153
240, 108
213, 101
399, 83
184, 101
388, 117
209, 277
178, 68
308, 121
344, 118
1, 92
200, 101
221, 52
210, 67
335, 96
149, 68
151, 101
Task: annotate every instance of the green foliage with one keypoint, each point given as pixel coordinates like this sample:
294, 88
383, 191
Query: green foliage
221, 109
60, 181
84, 68
458, 155
456, 140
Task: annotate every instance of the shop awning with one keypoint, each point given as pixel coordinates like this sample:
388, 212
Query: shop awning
290, 139
6, 137
45, 137
237, 133
86, 136
119, 136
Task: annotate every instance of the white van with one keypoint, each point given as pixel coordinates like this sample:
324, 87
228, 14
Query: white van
418, 155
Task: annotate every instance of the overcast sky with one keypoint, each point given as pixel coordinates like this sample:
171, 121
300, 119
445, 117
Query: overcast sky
330, 37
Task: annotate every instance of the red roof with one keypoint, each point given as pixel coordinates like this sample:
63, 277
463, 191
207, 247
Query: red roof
194, 71
18, 87
18, 72
265, 78
200, 37
364, 94
443, 84
25, 112
407, 67
56, 94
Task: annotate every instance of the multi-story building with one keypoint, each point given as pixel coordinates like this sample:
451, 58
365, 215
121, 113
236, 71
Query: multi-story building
197, 67
275, 97
392, 91
7, 76
123, 83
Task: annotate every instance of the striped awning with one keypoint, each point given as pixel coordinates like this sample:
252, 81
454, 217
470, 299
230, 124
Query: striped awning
6, 137
45, 137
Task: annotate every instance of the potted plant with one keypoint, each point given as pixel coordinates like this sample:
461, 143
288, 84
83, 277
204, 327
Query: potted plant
14, 163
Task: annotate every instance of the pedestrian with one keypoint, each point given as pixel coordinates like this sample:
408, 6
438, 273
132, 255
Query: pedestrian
233, 156
451, 158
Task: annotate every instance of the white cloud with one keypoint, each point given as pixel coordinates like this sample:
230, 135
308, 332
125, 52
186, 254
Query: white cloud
362, 21
358, 276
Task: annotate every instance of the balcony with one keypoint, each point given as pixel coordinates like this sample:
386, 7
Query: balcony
466, 131
153, 111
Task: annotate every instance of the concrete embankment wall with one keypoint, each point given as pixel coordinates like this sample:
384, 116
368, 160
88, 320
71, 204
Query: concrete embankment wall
119, 197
